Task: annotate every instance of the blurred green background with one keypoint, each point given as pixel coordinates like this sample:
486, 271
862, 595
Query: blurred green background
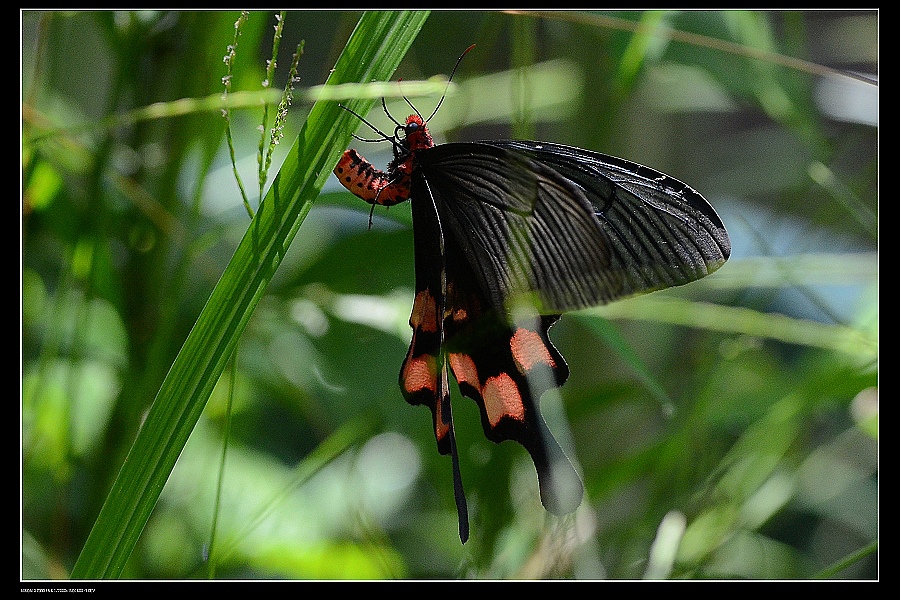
727, 429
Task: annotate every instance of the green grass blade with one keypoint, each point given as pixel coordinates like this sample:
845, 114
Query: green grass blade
373, 52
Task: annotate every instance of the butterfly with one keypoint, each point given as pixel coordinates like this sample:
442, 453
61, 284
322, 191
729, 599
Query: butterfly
502, 224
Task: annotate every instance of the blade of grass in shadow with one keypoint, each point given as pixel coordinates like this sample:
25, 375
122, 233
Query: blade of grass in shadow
373, 52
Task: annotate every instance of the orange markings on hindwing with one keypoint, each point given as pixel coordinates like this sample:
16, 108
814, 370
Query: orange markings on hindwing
501, 394
424, 313
464, 370
502, 399
529, 350
419, 374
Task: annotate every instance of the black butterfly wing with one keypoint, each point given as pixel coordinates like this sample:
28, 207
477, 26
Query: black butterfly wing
662, 232
571, 227
504, 367
562, 226
523, 228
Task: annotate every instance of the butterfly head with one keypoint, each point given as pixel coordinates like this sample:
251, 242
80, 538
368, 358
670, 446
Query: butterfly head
414, 134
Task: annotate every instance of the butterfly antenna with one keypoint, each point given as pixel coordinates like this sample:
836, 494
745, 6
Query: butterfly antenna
389, 115
384, 137
415, 110
449, 79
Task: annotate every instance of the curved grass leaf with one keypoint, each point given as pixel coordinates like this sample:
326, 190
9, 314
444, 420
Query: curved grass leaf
373, 52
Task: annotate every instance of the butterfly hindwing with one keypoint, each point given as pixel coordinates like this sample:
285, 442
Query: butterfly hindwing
506, 374
504, 367
423, 376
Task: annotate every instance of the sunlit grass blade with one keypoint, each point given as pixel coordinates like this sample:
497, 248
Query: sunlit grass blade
373, 52
804, 332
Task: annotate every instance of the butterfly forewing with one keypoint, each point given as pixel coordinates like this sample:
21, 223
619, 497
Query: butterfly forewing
659, 231
524, 228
